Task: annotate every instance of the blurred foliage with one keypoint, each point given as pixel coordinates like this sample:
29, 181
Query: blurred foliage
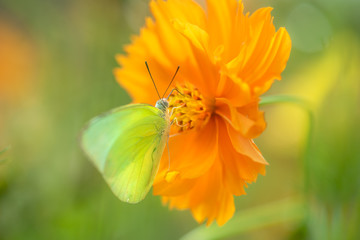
56, 63
334, 157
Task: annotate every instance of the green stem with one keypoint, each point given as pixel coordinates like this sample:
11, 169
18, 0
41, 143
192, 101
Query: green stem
268, 100
282, 211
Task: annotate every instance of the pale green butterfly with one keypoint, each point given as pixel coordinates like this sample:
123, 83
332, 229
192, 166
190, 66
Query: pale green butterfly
126, 145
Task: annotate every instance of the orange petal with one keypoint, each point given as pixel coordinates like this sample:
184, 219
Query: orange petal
265, 55
192, 153
272, 64
133, 75
184, 10
176, 187
173, 44
238, 168
221, 15
197, 36
248, 120
208, 199
234, 90
244, 145
239, 34
262, 31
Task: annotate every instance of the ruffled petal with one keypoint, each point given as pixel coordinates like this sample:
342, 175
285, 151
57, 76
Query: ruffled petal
198, 40
264, 53
174, 187
184, 10
188, 151
261, 32
239, 35
241, 164
247, 120
272, 64
133, 75
173, 44
244, 145
208, 198
234, 90
197, 36
221, 15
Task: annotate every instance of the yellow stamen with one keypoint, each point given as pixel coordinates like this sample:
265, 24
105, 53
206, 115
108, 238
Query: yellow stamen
189, 108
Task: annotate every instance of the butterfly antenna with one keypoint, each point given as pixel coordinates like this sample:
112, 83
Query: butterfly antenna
152, 79
171, 81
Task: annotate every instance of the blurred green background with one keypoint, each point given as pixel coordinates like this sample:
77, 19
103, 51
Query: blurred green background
56, 63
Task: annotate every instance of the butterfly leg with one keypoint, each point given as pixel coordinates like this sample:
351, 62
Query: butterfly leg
172, 110
167, 144
174, 135
177, 123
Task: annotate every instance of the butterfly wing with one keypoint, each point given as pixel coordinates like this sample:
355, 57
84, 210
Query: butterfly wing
126, 145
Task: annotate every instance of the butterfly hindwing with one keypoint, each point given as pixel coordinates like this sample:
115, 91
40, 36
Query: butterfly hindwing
126, 145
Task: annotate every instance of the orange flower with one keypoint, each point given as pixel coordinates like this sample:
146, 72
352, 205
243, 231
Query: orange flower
227, 60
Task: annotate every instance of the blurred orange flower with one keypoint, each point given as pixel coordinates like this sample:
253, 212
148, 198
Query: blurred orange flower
227, 60
16, 62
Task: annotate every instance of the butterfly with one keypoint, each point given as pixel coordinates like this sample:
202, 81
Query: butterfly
126, 145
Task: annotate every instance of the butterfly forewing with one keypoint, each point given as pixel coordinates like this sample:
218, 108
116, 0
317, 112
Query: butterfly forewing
126, 145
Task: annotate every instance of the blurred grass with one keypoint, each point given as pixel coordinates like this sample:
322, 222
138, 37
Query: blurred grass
49, 190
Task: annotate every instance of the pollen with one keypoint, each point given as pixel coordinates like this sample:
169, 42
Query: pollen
189, 109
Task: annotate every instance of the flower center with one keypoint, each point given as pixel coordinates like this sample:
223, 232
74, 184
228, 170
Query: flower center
188, 107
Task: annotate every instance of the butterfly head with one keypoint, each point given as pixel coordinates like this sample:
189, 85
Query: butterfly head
162, 104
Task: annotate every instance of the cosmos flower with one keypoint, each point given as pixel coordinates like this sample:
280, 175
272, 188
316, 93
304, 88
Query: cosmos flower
227, 60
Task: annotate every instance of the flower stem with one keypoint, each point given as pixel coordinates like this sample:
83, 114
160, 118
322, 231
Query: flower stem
267, 100
283, 211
